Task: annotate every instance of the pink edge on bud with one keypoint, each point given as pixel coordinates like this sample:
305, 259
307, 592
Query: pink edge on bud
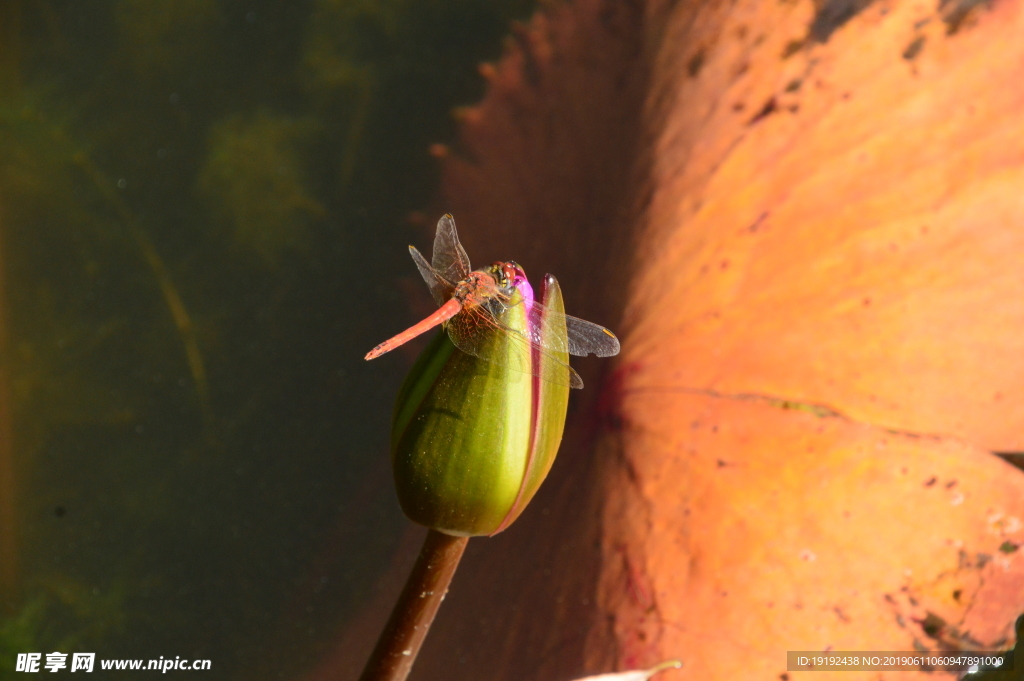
526, 290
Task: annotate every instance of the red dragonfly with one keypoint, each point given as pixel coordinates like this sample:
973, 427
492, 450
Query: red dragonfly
474, 305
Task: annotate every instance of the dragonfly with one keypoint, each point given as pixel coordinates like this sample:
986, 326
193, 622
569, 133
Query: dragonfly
475, 308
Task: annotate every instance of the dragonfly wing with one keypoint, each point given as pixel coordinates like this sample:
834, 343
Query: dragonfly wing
581, 338
587, 338
450, 259
552, 369
477, 332
440, 288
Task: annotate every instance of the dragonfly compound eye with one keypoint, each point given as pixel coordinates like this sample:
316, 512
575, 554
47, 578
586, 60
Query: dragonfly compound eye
500, 273
513, 273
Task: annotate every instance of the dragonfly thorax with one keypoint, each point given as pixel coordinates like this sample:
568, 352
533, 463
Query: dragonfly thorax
476, 289
496, 283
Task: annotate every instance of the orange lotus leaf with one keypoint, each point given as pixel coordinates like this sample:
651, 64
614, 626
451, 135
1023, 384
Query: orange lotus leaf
807, 217
771, 528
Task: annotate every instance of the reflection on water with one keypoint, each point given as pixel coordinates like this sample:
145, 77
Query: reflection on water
203, 208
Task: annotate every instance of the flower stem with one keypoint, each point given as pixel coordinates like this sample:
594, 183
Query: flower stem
414, 612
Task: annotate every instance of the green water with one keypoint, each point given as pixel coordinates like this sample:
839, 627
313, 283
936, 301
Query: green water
204, 207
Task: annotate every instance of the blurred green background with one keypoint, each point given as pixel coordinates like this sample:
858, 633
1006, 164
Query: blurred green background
204, 207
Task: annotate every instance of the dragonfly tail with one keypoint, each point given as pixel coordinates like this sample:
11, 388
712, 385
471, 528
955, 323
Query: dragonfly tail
443, 314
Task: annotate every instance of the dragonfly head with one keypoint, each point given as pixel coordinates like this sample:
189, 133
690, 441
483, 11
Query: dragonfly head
508, 275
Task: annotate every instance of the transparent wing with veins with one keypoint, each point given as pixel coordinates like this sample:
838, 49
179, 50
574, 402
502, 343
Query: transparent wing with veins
473, 327
449, 258
478, 332
581, 338
450, 263
441, 288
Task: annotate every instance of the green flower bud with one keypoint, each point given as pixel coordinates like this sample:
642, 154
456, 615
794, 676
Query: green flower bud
472, 440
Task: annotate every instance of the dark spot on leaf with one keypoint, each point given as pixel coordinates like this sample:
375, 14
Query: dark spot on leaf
831, 14
721, 464
956, 12
784, 676
951, 484
956, 594
794, 85
756, 225
738, 106
791, 48
1008, 547
696, 62
930, 481
932, 625
767, 110
914, 48
982, 559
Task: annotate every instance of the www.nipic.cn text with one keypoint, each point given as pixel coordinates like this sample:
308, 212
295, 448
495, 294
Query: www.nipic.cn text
86, 662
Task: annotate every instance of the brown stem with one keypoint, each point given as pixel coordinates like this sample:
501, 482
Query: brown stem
410, 621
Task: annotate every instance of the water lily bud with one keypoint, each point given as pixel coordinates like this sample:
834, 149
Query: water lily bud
472, 440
